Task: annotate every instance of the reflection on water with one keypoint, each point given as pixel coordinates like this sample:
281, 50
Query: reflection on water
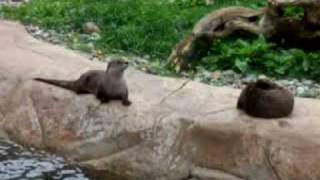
18, 163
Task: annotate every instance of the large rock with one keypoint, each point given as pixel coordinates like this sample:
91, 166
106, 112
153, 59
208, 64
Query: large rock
175, 129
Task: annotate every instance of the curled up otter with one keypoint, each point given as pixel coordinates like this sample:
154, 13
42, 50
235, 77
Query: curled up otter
266, 99
105, 85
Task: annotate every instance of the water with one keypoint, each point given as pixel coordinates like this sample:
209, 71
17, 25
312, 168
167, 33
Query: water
19, 163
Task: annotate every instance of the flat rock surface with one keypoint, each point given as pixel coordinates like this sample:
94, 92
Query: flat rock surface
175, 128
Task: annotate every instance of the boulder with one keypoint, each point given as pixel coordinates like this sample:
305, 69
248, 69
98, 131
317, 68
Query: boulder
90, 27
175, 129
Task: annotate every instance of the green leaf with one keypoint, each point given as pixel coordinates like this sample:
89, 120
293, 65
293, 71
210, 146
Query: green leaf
305, 65
280, 70
242, 65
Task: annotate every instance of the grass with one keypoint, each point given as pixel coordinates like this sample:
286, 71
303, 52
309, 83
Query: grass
143, 27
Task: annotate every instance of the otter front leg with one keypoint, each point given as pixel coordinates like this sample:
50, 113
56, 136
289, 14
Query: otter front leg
125, 99
100, 95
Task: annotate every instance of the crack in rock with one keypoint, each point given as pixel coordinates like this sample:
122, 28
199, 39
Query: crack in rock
41, 125
174, 91
204, 173
217, 111
269, 163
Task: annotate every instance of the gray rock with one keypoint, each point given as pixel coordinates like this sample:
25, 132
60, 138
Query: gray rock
229, 73
91, 46
262, 76
38, 33
307, 82
301, 91
54, 40
284, 82
95, 37
84, 37
249, 78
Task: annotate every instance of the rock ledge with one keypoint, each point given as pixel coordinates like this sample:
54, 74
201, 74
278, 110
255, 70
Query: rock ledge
175, 129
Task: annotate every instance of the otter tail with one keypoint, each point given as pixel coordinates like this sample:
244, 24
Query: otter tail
70, 85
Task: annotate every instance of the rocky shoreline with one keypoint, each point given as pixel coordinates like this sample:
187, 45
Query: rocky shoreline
301, 88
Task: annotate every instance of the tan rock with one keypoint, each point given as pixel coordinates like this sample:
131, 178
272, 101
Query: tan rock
90, 27
174, 129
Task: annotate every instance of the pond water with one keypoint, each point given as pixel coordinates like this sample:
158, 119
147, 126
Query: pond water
19, 163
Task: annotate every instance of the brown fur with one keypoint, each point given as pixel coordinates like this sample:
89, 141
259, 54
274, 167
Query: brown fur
105, 85
266, 99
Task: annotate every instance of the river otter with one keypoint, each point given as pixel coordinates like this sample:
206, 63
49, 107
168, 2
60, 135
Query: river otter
105, 85
266, 99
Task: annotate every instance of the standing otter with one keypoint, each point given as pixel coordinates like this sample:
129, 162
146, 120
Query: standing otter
266, 99
105, 85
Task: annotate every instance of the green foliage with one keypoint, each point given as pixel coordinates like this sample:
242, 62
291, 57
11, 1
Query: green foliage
294, 12
136, 26
259, 56
189, 3
153, 27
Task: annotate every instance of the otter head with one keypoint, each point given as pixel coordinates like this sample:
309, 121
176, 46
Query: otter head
117, 66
